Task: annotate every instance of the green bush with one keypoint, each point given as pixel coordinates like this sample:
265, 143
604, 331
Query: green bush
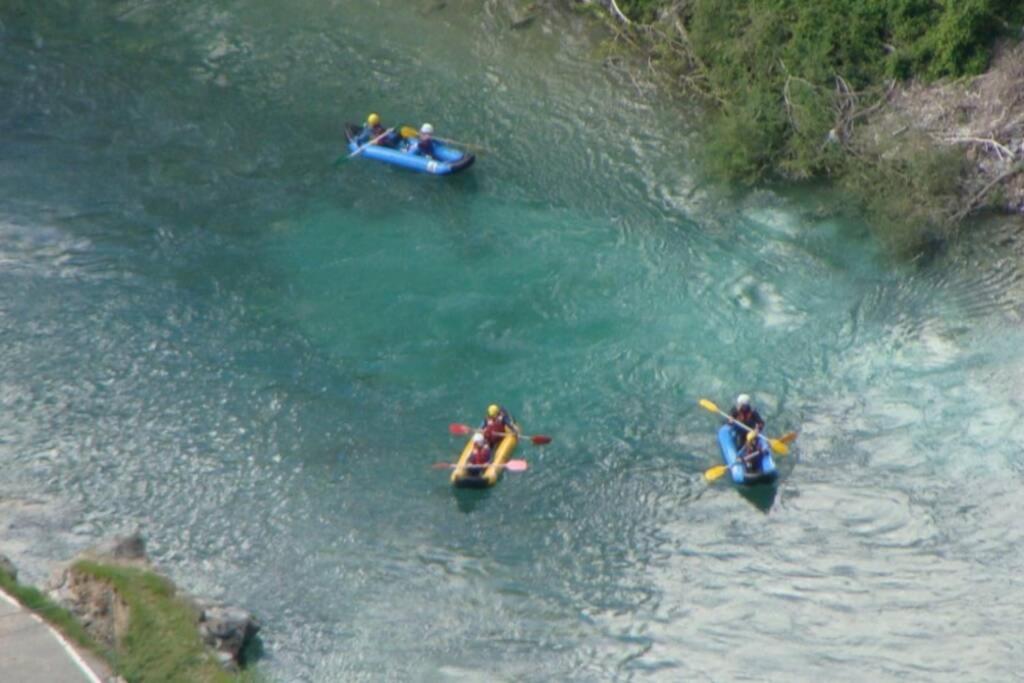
789, 78
758, 52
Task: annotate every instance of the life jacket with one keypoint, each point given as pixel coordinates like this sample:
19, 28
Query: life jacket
754, 457
494, 429
425, 148
481, 455
752, 419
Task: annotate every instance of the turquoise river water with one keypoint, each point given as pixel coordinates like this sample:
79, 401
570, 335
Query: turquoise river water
214, 333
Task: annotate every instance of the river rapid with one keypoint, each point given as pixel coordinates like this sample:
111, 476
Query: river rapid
215, 332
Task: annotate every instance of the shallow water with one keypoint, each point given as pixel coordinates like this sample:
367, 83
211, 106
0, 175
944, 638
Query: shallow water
214, 332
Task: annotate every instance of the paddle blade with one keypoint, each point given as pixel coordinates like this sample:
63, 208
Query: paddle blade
408, 132
708, 405
716, 473
458, 429
516, 465
778, 447
788, 437
540, 440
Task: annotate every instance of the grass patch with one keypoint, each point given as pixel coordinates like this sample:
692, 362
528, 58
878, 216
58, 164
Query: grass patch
162, 644
55, 615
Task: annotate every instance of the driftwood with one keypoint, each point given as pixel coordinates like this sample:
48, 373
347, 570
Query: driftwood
979, 197
618, 13
1002, 151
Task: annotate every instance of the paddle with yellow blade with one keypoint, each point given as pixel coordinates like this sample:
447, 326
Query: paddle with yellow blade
717, 471
359, 150
409, 132
778, 445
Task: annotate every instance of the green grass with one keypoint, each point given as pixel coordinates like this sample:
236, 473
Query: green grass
55, 615
162, 644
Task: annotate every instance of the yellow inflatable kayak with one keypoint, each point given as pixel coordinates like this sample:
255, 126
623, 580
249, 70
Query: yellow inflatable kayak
466, 477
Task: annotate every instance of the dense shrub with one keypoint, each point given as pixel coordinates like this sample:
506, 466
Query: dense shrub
775, 65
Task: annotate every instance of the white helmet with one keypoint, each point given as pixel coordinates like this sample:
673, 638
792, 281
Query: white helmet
742, 400
479, 439
427, 129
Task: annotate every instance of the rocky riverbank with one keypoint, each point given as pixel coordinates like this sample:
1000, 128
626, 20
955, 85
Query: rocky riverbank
142, 623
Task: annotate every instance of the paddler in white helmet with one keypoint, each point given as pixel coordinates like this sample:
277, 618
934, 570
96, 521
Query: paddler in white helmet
743, 412
480, 456
424, 145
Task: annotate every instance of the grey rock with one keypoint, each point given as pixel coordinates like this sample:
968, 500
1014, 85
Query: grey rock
227, 630
130, 547
7, 566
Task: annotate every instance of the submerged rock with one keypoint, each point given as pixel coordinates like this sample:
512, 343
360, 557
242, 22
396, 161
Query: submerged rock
130, 547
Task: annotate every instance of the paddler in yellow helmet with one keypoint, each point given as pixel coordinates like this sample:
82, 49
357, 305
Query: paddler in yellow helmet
753, 452
373, 129
496, 424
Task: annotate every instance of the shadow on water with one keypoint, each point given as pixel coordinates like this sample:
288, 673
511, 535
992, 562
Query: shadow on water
469, 499
761, 496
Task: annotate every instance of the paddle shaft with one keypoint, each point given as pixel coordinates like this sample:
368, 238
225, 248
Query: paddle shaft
777, 446
372, 142
479, 148
733, 420
409, 132
511, 466
460, 429
717, 471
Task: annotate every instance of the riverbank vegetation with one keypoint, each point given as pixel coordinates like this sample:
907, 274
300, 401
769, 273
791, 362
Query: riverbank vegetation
797, 86
159, 640
159, 644
36, 601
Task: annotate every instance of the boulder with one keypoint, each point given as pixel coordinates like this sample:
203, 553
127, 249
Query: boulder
129, 549
228, 630
8, 567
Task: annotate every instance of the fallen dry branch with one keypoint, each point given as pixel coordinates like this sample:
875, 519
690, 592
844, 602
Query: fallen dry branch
1002, 151
979, 197
618, 13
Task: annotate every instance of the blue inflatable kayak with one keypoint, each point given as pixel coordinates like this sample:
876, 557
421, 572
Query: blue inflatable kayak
739, 474
448, 160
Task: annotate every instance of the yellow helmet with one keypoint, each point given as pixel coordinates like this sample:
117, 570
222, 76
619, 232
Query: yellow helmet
373, 119
493, 410
751, 436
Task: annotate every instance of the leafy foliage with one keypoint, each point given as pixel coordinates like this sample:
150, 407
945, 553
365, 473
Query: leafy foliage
775, 66
793, 80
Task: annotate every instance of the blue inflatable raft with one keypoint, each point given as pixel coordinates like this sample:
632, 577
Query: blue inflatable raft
739, 474
448, 160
